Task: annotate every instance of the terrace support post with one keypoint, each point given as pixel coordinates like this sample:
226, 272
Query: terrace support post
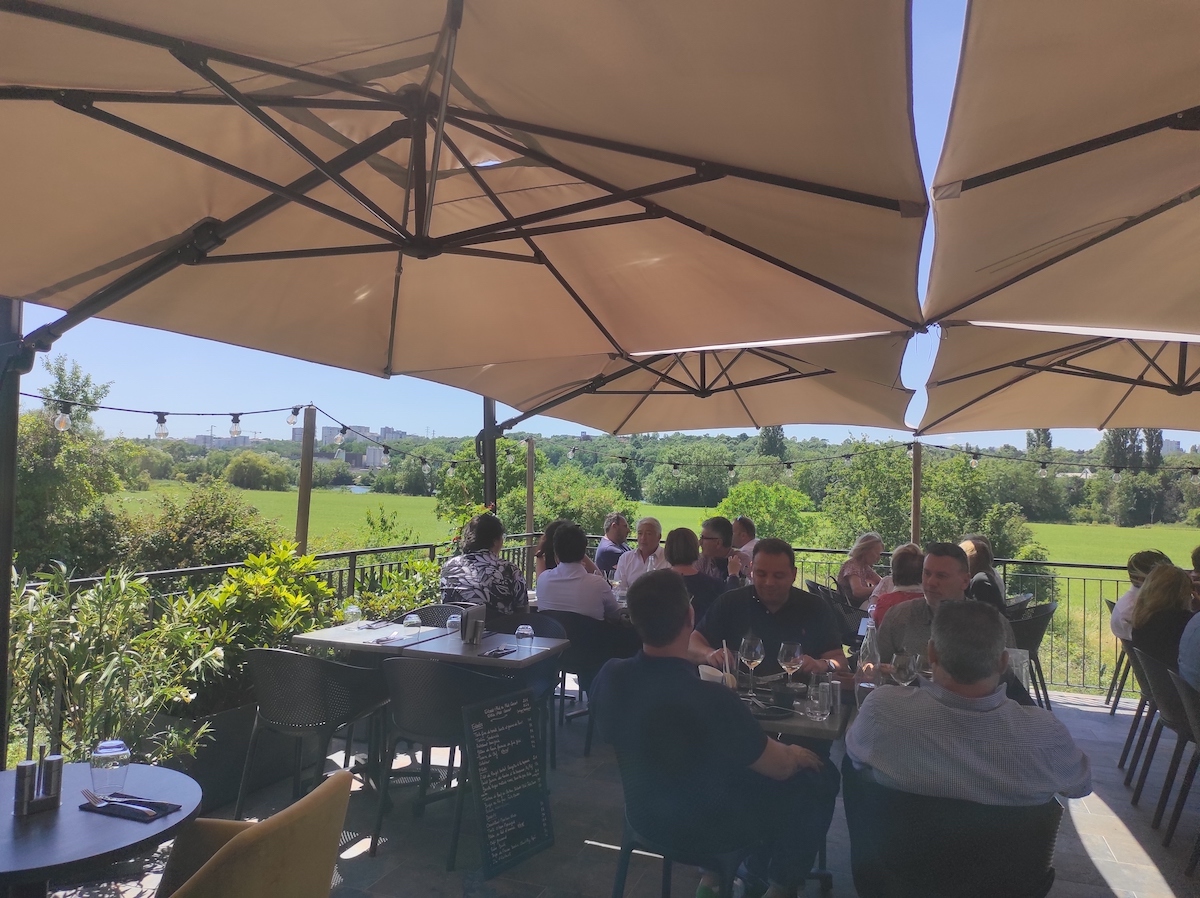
10, 412
529, 473
487, 452
304, 500
915, 535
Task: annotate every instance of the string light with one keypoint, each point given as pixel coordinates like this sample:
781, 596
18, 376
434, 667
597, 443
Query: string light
974, 459
676, 470
1043, 472
1116, 475
291, 419
571, 453
341, 436
1195, 478
732, 472
161, 430
235, 429
788, 471
510, 457
453, 467
425, 469
62, 421
387, 451
909, 453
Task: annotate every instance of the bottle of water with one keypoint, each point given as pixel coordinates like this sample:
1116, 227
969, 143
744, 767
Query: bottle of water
868, 674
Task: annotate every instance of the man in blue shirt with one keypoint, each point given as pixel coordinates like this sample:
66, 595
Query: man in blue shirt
612, 544
714, 771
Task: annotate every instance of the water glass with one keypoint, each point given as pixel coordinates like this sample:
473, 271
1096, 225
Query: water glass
904, 668
110, 764
524, 636
820, 698
412, 620
352, 613
454, 623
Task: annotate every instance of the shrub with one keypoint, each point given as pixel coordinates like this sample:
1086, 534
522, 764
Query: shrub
253, 471
776, 510
566, 492
413, 584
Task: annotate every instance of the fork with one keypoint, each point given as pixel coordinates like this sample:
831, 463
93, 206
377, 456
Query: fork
395, 634
99, 801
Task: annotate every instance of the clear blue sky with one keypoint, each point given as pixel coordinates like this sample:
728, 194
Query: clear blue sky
156, 370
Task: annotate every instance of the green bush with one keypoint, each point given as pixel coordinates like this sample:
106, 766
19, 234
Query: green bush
776, 510
253, 471
414, 584
566, 492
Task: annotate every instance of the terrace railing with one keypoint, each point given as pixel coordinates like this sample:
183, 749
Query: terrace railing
1077, 653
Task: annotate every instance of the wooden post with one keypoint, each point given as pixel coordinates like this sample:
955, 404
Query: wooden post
304, 500
529, 460
916, 493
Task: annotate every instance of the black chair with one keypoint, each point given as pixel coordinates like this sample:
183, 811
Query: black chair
1116, 686
427, 698
543, 678
436, 615
1171, 715
945, 847
1145, 704
1190, 699
1029, 632
1015, 610
299, 695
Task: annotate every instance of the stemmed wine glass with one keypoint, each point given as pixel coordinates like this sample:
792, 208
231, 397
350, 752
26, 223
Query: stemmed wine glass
904, 668
752, 655
790, 654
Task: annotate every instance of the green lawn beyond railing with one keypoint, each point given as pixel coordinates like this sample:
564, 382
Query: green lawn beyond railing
1078, 652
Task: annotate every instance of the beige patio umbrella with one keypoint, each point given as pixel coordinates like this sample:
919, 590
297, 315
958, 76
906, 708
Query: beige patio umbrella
1064, 192
999, 378
853, 381
611, 177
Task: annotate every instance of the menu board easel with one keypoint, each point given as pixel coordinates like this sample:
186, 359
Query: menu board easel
511, 798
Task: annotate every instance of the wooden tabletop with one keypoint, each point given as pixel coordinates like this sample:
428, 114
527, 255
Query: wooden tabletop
452, 648
355, 637
67, 841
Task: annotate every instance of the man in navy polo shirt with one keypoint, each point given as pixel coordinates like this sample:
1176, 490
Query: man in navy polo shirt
776, 612
715, 772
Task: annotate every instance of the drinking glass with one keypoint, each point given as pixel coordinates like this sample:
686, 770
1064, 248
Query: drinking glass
790, 654
352, 613
819, 701
752, 655
110, 764
454, 623
904, 668
524, 636
412, 620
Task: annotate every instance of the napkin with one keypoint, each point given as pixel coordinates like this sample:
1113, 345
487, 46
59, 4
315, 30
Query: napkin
157, 808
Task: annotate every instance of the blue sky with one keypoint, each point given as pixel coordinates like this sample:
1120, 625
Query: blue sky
156, 370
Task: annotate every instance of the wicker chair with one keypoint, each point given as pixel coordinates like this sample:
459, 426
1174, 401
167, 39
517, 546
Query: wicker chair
1029, 632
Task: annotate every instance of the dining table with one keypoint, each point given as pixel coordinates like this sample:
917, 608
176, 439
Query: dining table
66, 841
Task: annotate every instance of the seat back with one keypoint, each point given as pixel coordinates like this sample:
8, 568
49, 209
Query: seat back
916, 846
427, 698
290, 853
1139, 674
1164, 694
542, 622
1189, 698
298, 693
1030, 630
436, 615
593, 642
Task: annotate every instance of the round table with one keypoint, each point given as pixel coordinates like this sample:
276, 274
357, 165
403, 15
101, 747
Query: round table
68, 841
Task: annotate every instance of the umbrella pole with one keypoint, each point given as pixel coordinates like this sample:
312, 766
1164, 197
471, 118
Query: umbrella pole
488, 453
10, 411
916, 493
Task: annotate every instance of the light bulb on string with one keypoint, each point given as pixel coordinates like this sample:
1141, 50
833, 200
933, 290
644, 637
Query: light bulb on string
509, 457
62, 421
235, 428
387, 452
676, 470
341, 435
789, 471
1195, 472
425, 469
1043, 472
1116, 475
974, 459
161, 430
291, 419
453, 467
571, 453
732, 473
909, 453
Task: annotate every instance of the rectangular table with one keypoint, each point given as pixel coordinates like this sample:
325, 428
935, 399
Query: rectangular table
452, 648
829, 729
350, 637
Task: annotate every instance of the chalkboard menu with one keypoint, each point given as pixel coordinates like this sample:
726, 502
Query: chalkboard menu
511, 797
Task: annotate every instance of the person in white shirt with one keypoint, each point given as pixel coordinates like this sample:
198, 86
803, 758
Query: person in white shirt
646, 557
744, 539
569, 586
1139, 566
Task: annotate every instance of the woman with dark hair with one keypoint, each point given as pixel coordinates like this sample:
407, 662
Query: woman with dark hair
479, 575
1163, 609
544, 557
682, 551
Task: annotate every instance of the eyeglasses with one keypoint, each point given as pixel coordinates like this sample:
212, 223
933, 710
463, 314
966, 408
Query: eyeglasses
705, 538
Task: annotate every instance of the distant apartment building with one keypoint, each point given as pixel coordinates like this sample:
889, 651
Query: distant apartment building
297, 434
1171, 447
390, 433
328, 434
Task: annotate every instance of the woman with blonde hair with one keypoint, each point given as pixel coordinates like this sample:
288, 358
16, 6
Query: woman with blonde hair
1139, 567
1164, 607
857, 577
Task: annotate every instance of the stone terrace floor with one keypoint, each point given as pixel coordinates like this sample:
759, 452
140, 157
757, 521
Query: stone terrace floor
1105, 846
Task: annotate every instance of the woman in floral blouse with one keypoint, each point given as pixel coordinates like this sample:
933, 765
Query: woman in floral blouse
479, 575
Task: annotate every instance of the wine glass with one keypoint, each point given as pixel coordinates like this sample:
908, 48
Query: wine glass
752, 655
412, 620
904, 668
790, 654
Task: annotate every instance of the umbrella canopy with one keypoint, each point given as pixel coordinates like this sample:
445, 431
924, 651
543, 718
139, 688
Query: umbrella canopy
1064, 192
748, 387
997, 378
416, 188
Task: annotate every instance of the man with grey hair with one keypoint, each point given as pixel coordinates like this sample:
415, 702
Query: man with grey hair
958, 735
612, 544
646, 557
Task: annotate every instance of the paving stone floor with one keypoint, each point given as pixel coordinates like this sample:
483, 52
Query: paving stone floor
1106, 848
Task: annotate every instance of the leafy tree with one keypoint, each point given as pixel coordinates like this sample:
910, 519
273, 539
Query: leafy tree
701, 480
776, 510
771, 441
764, 469
629, 483
870, 491
1121, 447
1154, 442
68, 381
566, 492
1037, 440
332, 473
253, 471
460, 495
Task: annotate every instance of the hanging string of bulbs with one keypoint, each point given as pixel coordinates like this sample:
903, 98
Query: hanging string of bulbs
62, 422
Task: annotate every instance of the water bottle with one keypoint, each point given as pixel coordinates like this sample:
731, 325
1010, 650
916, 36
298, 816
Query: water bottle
868, 674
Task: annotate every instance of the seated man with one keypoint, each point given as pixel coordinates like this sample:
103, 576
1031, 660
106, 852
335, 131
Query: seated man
957, 735
718, 558
774, 611
612, 544
715, 768
646, 556
569, 586
745, 536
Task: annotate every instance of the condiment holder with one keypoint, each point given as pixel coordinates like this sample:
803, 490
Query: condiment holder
39, 784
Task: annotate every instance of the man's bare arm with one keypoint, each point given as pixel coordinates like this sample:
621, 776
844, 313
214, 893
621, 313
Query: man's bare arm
780, 762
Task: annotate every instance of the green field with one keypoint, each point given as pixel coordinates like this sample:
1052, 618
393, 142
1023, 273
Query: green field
1107, 544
